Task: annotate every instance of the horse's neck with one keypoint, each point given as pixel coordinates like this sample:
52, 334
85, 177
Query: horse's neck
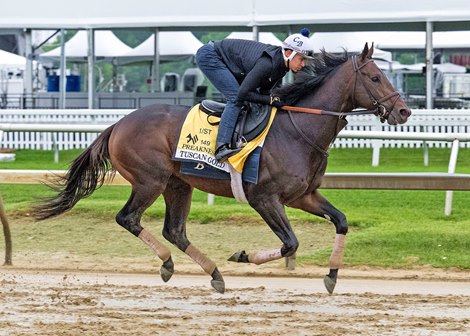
333, 95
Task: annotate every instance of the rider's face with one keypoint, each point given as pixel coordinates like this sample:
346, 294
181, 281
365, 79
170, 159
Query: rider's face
297, 63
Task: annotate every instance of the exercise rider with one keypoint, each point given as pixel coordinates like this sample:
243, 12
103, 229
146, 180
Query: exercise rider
244, 70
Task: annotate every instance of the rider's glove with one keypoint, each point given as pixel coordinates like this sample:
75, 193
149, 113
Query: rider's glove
276, 101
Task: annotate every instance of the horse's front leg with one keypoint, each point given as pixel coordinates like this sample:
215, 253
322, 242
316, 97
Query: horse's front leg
316, 204
273, 212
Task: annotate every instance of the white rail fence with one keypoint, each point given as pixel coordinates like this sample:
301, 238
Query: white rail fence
51, 137
432, 121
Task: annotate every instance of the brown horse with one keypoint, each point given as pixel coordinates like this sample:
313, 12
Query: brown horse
293, 161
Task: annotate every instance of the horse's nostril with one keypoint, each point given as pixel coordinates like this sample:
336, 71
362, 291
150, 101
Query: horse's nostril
405, 113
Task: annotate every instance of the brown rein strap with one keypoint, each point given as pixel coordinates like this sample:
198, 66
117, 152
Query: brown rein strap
301, 109
323, 112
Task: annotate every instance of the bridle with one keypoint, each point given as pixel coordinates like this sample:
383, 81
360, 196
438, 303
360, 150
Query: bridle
381, 109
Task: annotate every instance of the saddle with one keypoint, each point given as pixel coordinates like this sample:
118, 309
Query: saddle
252, 120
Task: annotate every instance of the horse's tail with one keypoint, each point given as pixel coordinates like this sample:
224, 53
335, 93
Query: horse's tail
87, 173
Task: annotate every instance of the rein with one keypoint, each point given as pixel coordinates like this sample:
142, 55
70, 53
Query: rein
331, 113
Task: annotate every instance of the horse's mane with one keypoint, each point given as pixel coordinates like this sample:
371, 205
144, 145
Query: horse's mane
311, 77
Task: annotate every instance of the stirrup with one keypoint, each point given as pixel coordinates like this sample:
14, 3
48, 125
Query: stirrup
223, 152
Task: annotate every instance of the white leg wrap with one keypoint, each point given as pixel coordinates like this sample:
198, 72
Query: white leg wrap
160, 250
261, 257
207, 265
336, 258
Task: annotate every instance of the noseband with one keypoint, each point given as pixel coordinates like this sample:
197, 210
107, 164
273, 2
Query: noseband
381, 109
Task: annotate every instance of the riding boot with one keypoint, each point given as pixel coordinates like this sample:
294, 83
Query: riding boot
224, 151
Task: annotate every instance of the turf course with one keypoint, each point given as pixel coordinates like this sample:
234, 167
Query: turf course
388, 228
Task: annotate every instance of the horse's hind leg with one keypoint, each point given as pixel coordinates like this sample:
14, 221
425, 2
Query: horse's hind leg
129, 217
178, 202
316, 204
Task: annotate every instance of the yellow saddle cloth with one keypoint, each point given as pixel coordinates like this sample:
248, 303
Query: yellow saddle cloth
197, 141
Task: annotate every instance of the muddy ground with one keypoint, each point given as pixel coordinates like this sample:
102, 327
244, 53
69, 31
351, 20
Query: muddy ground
51, 301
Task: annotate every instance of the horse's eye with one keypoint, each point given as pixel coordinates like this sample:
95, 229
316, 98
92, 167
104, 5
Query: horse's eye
375, 78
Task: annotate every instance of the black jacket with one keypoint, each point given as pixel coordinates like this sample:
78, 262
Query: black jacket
255, 65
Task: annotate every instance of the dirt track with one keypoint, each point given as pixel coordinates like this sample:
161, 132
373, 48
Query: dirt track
72, 303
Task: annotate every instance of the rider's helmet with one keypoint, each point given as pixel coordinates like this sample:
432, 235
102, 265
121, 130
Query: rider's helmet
299, 43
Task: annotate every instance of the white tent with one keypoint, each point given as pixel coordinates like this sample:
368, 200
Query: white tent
418, 67
268, 38
388, 40
173, 46
331, 15
417, 40
107, 46
11, 73
351, 41
10, 60
209, 15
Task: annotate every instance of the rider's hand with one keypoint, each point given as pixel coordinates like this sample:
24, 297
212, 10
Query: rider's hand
276, 102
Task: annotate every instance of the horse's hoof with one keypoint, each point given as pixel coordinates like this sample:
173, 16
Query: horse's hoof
218, 285
167, 270
238, 256
165, 274
329, 284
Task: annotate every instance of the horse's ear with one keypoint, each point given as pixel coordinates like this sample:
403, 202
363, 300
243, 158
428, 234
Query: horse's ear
365, 52
371, 51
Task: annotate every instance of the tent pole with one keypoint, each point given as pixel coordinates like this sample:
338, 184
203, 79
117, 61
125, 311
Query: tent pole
28, 77
290, 76
63, 77
429, 63
255, 33
91, 68
155, 87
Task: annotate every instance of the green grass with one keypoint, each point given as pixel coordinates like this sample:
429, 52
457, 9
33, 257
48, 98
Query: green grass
397, 160
404, 228
388, 228
39, 159
340, 160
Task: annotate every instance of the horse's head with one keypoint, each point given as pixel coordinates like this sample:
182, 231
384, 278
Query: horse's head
373, 90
